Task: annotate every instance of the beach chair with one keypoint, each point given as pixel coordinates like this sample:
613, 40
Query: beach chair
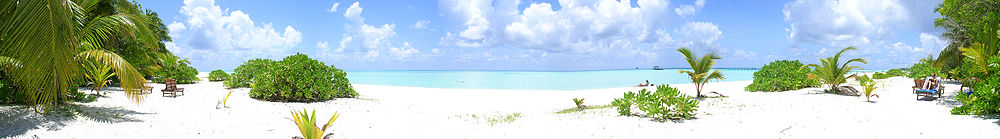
917, 84
936, 90
171, 86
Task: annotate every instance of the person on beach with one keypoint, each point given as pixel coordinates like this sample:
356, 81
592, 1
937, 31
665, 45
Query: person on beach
931, 82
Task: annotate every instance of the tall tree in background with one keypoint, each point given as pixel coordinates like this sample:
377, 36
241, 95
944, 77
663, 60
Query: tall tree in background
43, 43
972, 26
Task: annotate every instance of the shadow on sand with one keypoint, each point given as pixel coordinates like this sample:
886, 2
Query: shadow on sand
18, 119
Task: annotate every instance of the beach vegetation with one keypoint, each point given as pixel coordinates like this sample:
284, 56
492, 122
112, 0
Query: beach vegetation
889, 73
217, 75
701, 68
781, 75
42, 55
298, 78
177, 69
591, 107
974, 30
666, 103
579, 104
867, 87
505, 118
924, 68
244, 74
98, 74
306, 123
831, 72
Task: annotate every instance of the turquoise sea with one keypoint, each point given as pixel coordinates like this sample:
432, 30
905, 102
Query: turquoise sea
533, 80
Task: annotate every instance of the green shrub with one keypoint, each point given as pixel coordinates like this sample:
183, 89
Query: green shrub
81, 97
879, 75
895, 72
7, 92
298, 78
217, 75
179, 71
666, 103
244, 74
920, 70
985, 99
781, 75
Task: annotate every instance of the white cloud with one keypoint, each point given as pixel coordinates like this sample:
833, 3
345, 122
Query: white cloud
323, 46
700, 35
344, 41
868, 24
207, 30
579, 26
684, 10
376, 41
932, 42
688, 10
422, 24
354, 12
334, 7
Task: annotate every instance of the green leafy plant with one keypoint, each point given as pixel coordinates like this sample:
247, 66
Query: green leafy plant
985, 98
781, 75
579, 104
177, 69
298, 78
868, 87
307, 124
217, 75
921, 70
244, 74
42, 54
831, 72
98, 74
666, 103
701, 68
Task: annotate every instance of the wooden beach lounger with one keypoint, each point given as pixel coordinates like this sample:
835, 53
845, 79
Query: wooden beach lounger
926, 92
171, 86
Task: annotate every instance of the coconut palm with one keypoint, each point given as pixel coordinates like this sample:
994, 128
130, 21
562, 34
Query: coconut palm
98, 74
42, 42
831, 72
701, 68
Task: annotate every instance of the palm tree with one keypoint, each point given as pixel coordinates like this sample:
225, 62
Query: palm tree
831, 72
42, 42
701, 68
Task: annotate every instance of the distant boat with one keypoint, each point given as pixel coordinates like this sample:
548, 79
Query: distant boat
657, 68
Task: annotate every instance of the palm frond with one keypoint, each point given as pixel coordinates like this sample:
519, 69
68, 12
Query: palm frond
131, 81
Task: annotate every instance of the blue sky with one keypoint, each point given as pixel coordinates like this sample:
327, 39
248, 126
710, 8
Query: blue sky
547, 35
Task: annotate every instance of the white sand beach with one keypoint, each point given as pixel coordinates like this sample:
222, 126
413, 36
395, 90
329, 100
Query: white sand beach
411, 112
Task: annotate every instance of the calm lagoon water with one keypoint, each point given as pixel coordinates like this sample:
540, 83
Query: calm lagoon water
532, 80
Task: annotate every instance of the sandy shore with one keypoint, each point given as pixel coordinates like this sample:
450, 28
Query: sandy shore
412, 112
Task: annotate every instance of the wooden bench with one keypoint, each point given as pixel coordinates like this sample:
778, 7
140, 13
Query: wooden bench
171, 86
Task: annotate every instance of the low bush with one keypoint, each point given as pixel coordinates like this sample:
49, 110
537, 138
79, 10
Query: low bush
921, 70
217, 75
782, 75
895, 72
179, 71
7, 92
666, 103
984, 100
244, 74
298, 78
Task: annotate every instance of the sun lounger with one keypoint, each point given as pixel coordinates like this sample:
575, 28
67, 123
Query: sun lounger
936, 90
171, 87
